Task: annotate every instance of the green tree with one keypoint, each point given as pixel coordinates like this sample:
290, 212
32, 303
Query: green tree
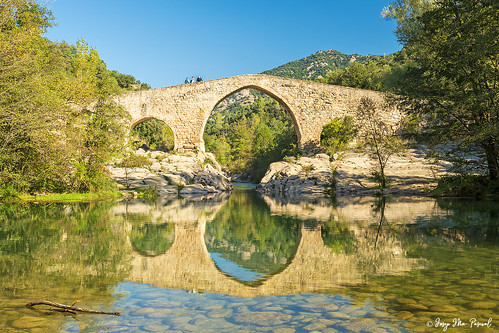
454, 80
380, 137
155, 134
407, 13
246, 139
31, 156
337, 134
58, 124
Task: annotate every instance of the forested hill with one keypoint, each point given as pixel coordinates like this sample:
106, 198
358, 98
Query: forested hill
318, 64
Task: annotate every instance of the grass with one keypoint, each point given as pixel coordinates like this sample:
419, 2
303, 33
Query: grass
68, 197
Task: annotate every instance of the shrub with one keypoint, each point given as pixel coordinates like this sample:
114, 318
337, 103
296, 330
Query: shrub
337, 134
466, 185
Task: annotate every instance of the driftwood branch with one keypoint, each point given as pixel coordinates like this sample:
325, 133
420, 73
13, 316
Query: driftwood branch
69, 308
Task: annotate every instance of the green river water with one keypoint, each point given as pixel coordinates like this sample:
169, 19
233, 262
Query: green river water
250, 264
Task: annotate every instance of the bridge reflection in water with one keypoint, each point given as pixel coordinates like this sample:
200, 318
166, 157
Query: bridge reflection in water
313, 267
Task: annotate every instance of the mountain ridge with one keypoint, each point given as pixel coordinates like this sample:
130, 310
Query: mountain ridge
318, 64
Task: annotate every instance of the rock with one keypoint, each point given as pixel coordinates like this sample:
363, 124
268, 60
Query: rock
413, 307
304, 177
409, 174
442, 308
29, 322
404, 315
262, 318
402, 300
199, 174
483, 305
196, 189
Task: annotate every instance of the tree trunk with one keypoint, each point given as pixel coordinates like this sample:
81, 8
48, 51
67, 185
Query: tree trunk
492, 155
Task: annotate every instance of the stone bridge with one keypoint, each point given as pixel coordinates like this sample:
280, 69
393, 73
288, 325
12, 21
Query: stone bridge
186, 108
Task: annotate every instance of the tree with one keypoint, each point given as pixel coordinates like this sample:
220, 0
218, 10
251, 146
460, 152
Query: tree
58, 124
337, 134
406, 13
454, 80
31, 154
379, 136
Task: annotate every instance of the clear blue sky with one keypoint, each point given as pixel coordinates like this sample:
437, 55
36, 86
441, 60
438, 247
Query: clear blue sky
160, 42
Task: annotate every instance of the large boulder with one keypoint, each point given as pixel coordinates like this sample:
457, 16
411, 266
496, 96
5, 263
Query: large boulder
304, 177
187, 175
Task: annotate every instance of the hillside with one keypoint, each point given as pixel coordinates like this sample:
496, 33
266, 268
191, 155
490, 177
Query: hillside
318, 64
308, 68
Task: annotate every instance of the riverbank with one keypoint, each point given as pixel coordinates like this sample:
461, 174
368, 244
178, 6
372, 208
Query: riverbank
171, 175
194, 175
351, 175
64, 197
408, 174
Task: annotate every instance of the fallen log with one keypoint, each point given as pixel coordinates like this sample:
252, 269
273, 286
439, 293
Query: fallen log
69, 308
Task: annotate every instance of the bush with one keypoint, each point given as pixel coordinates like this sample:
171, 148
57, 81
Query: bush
466, 185
8, 193
337, 134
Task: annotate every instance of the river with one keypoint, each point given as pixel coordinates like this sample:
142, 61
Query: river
251, 264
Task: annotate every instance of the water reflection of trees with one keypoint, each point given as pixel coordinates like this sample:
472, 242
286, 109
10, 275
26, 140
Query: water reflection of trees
246, 233
152, 239
60, 248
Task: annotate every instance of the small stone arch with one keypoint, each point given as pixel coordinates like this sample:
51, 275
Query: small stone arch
134, 124
280, 100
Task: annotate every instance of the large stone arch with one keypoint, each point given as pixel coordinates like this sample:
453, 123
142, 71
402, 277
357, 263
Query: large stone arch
273, 94
186, 108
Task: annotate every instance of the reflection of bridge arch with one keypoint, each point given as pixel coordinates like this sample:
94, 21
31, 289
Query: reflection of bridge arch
188, 265
314, 267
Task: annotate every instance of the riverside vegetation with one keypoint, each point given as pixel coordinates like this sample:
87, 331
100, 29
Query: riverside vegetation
60, 128
58, 124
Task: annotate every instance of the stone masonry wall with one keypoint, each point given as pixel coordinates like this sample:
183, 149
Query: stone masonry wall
186, 108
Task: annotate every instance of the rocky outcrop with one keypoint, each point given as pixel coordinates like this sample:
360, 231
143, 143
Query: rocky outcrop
187, 175
408, 174
304, 177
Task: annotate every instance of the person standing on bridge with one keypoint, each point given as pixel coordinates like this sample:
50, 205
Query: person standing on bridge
199, 79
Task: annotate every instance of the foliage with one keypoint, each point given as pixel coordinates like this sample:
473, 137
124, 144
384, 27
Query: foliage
466, 185
149, 194
406, 13
247, 139
337, 134
453, 80
155, 134
152, 239
8, 193
318, 65
130, 161
58, 124
379, 137
246, 225
380, 74
128, 81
